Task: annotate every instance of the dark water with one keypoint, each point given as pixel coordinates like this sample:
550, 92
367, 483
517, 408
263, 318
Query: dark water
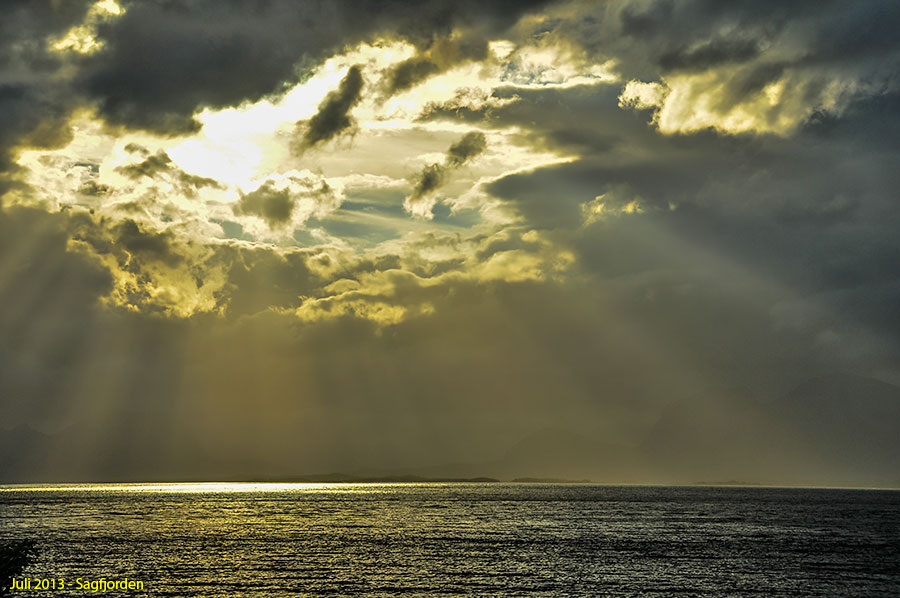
462, 540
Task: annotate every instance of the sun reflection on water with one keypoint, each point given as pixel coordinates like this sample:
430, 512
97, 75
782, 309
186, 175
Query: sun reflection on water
207, 487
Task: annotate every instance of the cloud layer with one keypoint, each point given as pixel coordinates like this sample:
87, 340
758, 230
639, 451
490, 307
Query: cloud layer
542, 238
434, 175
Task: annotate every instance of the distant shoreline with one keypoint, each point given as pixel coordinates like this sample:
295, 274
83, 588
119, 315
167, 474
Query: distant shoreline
315, 479
348, 479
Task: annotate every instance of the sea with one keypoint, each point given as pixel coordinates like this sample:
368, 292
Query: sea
454, 539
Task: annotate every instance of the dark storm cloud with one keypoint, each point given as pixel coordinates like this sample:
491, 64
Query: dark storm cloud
204, 53
808, 212
333, 116
31, 116
34, 101
711, 53
434, 175
750, 43
212, 53
162, 61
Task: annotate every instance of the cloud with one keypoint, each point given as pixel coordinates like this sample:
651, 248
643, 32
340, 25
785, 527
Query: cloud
209, 54
51, 296
710, 53
687, 209
152, 245
466, 148
289, 200
95, 189
161, 164
35, 98
504, 343
760, 69
409, 72
500, 360
205, 54
272, 205
643, 96
150, 167
433, 176
442, 54
792, 209
333, 117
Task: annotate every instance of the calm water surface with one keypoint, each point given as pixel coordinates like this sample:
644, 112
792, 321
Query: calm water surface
461, 539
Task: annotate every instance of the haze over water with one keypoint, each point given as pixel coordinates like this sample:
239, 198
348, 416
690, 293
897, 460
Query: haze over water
436, 539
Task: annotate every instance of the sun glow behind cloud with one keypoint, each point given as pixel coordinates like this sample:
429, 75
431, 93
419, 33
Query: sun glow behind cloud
81, 38
241, 148
204, 487
687, 103
239, 179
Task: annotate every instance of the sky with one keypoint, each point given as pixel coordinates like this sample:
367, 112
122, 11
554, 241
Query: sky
625, 240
